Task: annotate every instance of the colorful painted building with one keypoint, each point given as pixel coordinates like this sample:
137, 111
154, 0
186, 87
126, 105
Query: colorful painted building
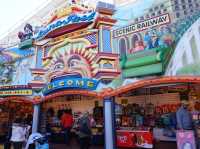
83, 57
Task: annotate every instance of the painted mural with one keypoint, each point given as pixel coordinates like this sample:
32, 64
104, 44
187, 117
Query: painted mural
15, 63
146, 36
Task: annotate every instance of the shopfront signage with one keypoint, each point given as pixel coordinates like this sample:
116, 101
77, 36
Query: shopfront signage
15, 87
144, 25
70, 83
16, 90
20, 92
71, 19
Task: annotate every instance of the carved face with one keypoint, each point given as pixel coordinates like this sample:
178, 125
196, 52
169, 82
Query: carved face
71, 65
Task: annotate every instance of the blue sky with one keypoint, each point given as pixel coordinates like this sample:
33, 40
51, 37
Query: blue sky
12, 11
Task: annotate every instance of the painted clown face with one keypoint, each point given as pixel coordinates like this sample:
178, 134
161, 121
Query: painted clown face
69, 65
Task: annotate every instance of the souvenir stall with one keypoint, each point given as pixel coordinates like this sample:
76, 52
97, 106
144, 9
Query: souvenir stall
148, 114
12, 108
52, 111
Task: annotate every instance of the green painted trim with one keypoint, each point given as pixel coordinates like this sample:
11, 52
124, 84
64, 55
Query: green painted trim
147, 60
143, 71
25, 44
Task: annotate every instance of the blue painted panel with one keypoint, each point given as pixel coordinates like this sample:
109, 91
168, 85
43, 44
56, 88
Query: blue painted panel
107, 41
39, 58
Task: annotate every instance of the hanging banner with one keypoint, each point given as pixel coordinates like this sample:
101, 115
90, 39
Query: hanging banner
144, 25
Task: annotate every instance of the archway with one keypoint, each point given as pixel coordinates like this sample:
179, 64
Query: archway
123, 46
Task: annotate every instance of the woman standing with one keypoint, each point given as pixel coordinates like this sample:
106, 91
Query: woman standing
18, 134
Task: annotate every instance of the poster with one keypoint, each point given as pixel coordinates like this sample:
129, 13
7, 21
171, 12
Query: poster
185, 140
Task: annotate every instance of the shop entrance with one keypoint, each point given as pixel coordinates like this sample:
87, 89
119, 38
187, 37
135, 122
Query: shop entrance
148, 113
13, 108
53, 109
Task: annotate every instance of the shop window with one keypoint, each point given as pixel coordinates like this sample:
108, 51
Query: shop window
162, 6
159, 12
151, 10
153, 14
185, 12
194, 49
156, 8
176, 7
190, 5
177, 15
176, 2
184, 59
122, 46
142, 18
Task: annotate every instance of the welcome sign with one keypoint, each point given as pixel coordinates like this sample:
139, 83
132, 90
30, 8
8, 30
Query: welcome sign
71, 83
73, 18
156, 21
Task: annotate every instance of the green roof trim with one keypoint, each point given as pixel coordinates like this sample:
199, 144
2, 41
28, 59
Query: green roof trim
26, 44
144, 70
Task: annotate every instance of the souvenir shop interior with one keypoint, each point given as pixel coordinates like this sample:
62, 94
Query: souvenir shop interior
142, 115
147, 114
53, 109
10, 110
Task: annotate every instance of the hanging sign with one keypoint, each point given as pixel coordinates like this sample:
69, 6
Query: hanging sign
71, 19
71, 83
144, 25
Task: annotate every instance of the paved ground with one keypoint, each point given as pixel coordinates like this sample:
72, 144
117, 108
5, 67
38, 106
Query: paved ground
158, 145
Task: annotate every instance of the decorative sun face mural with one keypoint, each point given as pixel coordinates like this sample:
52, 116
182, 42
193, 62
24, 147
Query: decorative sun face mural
70, 59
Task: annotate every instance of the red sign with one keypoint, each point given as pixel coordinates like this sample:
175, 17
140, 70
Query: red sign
142, 139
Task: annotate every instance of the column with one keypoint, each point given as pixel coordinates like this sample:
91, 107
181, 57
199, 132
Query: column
109, 123
35, 118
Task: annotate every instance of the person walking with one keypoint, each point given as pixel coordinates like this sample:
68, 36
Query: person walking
184, 117
84, 131
18, 134
67, 123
